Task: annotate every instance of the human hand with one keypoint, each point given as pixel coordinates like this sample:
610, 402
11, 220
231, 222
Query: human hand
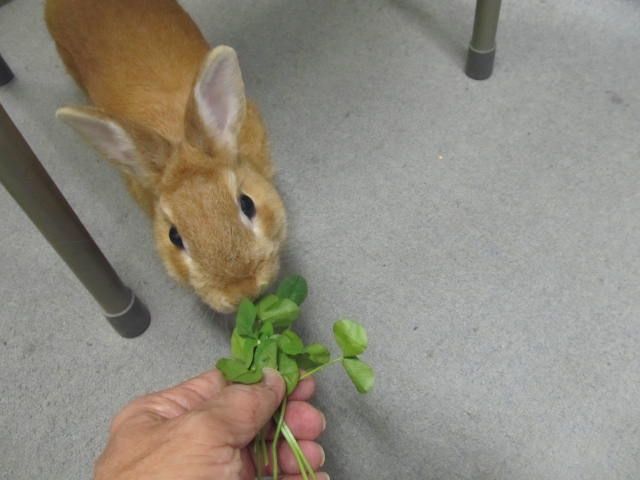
202, 428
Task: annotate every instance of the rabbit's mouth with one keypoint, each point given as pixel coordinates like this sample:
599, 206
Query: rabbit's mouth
225, 299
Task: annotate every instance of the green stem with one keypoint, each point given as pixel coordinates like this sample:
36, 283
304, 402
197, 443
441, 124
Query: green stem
257, 444
303, 463
276, 437
317, 369
301, 466
263, 449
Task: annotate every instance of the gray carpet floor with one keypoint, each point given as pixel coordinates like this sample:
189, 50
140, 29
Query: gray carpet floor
487, 233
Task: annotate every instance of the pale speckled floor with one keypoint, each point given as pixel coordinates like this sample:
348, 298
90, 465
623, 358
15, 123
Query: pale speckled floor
487, 233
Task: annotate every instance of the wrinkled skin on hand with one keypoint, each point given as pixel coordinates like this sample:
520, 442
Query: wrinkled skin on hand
202, 430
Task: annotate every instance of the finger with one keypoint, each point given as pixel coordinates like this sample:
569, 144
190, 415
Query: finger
312, 451
319, 476
174, 401
305, 389
305, 421
248, 471
242, 410
287, 462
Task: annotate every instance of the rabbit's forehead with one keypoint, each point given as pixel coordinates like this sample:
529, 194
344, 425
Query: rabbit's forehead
207, 190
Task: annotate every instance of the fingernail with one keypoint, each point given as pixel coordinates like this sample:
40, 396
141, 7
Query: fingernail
324, 421
271, 378
323, 476
324, 457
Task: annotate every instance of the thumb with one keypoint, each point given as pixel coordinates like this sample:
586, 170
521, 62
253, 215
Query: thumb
172, 402
242, 410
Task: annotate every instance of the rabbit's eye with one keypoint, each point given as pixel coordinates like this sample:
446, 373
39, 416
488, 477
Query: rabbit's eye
247, 206
175, 238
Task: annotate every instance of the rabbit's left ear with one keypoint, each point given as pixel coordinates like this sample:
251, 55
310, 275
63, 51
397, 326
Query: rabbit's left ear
217, 106
133, 148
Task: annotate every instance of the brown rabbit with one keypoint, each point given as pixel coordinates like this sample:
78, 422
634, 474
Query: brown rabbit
172, 116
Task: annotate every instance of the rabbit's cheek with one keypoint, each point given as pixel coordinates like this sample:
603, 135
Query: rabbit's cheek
268, 273
174, 262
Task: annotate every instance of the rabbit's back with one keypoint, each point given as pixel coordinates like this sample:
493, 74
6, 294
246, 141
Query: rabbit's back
134, 58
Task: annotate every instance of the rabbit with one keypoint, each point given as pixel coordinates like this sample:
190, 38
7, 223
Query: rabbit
171, 114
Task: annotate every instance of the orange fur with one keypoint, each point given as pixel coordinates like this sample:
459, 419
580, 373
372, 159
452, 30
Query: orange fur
142, 64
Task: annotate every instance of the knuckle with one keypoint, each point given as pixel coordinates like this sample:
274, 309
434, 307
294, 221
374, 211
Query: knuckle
119, 419
198, 423
146, 405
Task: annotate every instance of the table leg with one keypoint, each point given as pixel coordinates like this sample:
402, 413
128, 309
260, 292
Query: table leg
482, 49
27, 181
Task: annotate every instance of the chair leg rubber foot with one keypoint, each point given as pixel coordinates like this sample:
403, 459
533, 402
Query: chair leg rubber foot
133, 321
479, 64
6, 75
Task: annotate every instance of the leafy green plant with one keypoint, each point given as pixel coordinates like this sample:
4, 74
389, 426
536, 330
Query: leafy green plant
262, 338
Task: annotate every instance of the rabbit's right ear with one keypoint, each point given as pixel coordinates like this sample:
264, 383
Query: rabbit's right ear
217, 106
135, 149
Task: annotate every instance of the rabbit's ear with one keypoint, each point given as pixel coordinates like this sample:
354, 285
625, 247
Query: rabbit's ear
135, 149
218, 106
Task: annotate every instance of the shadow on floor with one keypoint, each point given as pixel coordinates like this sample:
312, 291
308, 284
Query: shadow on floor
439, 34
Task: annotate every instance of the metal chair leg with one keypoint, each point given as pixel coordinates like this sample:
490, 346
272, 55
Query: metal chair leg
6, 75
27, 181
482, 49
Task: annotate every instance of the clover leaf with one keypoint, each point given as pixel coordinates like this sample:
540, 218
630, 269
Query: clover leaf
234, 370
246, 317
351, 337
290, 343
294, 288
242, 348
360, 373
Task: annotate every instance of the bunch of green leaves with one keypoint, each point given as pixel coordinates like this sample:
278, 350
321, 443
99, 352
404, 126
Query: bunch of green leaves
263, 338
